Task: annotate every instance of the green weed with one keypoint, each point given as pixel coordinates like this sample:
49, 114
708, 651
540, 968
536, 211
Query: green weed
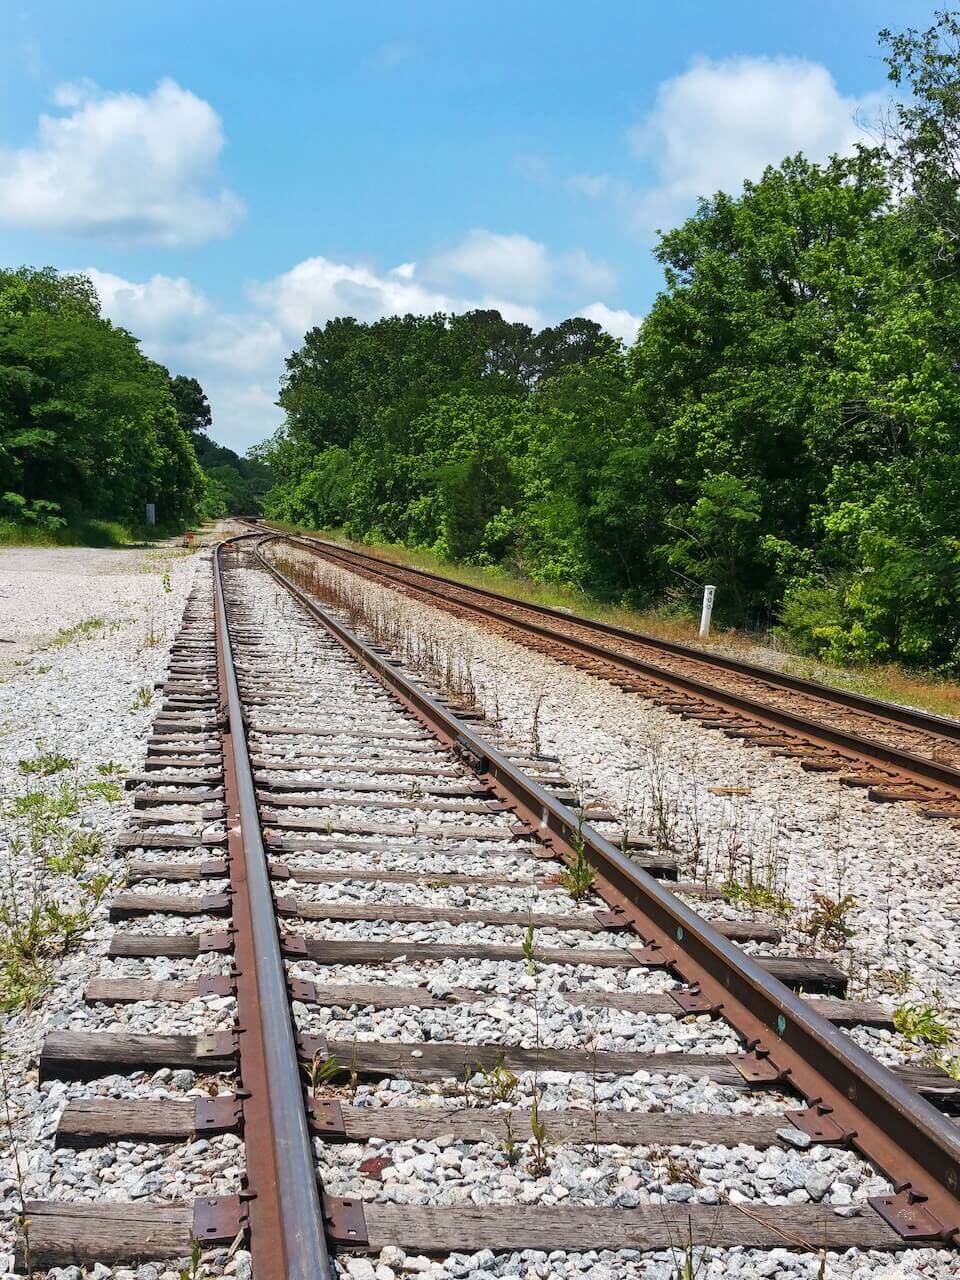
45, 763
510, 1146
758, 896
829, 919
104, 789
538, 1158
322, 1070
578, 877
528, 950
499, 1081
921, 1024
81, 630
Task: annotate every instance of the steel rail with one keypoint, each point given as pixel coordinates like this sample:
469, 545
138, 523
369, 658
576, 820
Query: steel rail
855, 746
909, 717
285, 1216
857, 1099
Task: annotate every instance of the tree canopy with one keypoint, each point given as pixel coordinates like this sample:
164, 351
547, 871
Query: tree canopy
88, 424
786, 426
89, 427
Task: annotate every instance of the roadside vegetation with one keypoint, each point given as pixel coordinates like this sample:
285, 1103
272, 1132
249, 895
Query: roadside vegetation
91, 430
52, 884
771, 646
786, 426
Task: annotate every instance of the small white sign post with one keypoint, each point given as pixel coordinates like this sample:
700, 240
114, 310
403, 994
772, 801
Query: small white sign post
151, 513
706, 611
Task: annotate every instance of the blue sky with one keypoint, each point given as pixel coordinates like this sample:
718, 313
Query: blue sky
231, 173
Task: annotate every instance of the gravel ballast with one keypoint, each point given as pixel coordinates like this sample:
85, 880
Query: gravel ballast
723, 810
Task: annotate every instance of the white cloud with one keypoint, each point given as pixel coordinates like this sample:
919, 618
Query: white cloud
723, 121
509, 263
158, 303
238, 357
318, 289
515, 266
592, 185
586, 274
621, 324
135, 169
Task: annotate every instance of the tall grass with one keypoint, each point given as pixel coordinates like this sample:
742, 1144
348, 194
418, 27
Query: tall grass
85, 533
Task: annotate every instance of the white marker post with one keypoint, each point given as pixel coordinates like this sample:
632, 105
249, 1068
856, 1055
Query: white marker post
706, 611
151, 513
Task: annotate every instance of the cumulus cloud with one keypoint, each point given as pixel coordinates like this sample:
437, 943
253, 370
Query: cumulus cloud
318, 289
720, 122
132, 168
160, 303
621, 324
238, 357
509, 263
515, 266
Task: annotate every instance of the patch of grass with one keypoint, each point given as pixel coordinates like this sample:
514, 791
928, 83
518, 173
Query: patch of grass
143, 699
49, 890
34, 933
84, 533
922, 1024
758, 896
45, 763
103, 789
111, 769
579, 876
79, 631
499, 1081
73, 852
43, 808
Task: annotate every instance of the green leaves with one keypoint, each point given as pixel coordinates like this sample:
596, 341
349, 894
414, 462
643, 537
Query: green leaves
87, 424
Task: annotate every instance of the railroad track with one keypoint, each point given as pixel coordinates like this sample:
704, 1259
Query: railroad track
464, 1022
896, 753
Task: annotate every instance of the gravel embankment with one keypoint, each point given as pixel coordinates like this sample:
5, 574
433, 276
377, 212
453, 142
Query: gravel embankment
82, 691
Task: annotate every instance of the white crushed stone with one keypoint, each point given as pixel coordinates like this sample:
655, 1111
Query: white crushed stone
92, 699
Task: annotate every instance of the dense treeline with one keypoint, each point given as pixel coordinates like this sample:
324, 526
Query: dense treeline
88, 425
92, 429
787, 424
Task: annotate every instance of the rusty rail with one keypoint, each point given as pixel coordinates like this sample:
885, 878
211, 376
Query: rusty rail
909, 717
850, 1096
283, 1210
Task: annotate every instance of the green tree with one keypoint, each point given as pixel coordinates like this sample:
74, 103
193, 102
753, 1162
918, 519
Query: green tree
86, 420
193, 408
